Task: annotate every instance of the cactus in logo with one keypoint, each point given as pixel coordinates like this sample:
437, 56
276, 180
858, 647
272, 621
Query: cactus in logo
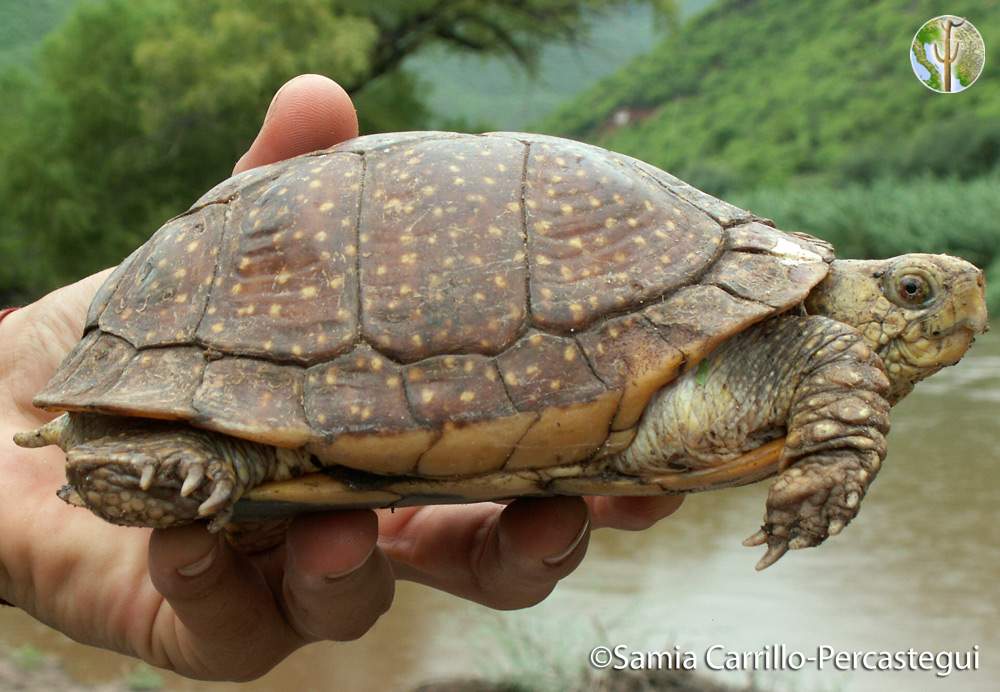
947, 54
949, 49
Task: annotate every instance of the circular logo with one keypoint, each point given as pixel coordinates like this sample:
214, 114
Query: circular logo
947, 54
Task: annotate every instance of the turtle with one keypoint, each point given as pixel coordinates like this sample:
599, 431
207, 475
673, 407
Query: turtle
433, 317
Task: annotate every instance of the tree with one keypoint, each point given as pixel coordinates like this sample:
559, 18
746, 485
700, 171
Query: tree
140, 105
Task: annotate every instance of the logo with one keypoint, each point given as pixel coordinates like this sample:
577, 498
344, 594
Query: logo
948, 54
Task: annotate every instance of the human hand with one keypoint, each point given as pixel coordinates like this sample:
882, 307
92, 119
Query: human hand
184, 600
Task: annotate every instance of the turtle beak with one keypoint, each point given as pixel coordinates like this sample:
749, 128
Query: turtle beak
970, 305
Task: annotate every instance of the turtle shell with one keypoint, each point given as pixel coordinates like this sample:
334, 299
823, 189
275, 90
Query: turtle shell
431, 303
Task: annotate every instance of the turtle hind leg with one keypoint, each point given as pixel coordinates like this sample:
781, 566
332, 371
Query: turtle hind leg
139, 472
156, 478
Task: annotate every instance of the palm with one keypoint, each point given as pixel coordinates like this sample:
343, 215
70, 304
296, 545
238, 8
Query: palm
63, 542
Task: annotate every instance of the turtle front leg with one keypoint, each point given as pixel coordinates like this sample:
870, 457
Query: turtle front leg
807, 378
834, 447
150, 473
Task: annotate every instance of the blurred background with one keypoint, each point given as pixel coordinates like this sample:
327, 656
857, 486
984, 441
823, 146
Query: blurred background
117, 114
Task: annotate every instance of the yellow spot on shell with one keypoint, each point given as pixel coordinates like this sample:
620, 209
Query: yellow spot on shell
467, 396
283, 277
427, 395
244, 263
235, 290
569, 354
566, 209
326, 206
315, 183
321, 236
180, 273
308, 292
500, 281
217, 327
274, 310
193, 245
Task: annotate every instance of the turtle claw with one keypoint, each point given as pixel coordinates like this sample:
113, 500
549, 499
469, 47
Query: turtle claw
194, 477
775, 550
759, 538
146, 478
222, 495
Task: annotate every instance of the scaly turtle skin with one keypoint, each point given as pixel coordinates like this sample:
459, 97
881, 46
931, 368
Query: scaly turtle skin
434, 317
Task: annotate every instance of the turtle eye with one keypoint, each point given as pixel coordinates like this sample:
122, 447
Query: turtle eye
913, 290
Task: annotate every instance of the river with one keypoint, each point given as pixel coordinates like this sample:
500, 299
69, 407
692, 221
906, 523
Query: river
919, 569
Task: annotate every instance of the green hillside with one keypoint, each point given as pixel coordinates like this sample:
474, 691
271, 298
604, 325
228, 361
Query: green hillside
23, 23
485, 92
756, 92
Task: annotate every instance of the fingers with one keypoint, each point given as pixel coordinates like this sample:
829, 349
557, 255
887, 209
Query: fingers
337, 583
632, 513
309, 112
503, 557
230, 625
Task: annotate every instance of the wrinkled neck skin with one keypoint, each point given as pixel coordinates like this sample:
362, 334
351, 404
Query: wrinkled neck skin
913, 340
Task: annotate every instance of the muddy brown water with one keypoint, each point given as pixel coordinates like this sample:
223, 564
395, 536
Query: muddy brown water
919, 569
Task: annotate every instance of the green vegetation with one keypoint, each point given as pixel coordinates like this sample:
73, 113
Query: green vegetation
891, 217
770, 106
143, 678
765, 91
136, 107
23, 24
28, 658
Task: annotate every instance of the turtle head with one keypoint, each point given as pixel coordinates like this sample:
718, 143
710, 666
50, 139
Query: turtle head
919, 312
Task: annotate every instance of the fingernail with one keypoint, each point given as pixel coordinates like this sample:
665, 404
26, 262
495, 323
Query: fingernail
201, 565
556, 559
270, 106
340, 575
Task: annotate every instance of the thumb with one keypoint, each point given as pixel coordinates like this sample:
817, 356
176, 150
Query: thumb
309, 112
